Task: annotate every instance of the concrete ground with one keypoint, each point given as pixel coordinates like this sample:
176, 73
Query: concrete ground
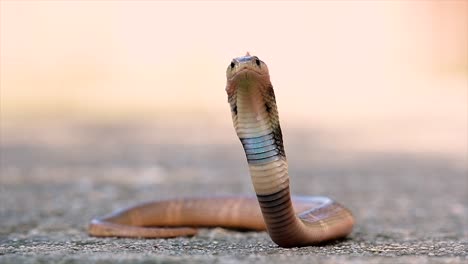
410, 208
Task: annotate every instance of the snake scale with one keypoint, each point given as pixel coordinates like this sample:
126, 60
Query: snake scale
290, 221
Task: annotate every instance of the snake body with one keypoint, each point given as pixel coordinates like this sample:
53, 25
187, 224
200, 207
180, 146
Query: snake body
290, 222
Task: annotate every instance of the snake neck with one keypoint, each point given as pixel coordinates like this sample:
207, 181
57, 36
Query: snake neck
255, 118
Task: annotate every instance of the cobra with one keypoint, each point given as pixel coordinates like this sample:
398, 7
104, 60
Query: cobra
290, 221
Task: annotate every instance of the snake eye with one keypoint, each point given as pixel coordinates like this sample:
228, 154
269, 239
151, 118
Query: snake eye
257, 61
233, 64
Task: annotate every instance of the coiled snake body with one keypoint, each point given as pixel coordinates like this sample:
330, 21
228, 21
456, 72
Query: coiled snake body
290, 222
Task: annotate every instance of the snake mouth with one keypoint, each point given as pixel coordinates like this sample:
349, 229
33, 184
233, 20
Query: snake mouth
246, 73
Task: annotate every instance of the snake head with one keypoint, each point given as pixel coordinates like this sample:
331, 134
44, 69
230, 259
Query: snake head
244, 70
246, 64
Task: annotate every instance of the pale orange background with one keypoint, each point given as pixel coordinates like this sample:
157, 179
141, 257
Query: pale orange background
386, 74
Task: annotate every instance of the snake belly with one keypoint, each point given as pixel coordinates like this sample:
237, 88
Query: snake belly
290, 221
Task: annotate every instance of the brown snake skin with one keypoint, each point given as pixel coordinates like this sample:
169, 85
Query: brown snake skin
290, 222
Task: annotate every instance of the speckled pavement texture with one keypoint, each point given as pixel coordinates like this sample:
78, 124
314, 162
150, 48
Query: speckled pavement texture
410, 208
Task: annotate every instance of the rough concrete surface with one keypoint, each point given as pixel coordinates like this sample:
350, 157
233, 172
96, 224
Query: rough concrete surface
410, 208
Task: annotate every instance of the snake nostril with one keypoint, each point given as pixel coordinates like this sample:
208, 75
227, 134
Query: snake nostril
233, 64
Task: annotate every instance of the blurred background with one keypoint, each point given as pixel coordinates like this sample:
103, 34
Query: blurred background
368, 76
378, 75
107, 103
